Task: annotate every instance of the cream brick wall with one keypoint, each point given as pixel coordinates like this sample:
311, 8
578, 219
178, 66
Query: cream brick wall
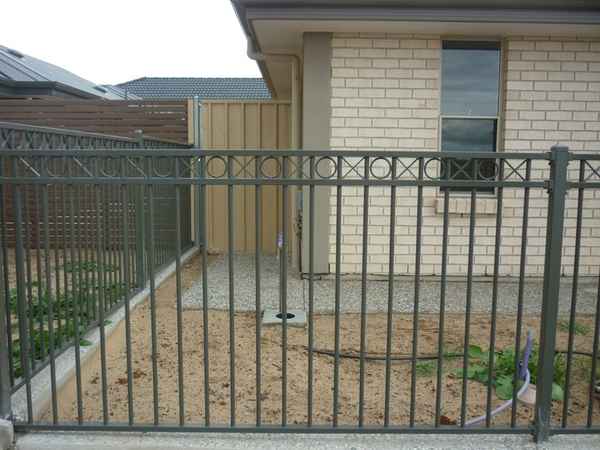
385, 96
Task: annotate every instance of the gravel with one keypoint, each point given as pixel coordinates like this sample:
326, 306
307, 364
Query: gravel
377, 291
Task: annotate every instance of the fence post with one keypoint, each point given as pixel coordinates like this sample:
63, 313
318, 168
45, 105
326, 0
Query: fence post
5, 388
140, 240
557, 190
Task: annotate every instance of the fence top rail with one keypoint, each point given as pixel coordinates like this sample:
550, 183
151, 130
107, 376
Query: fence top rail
81, 134
276, 153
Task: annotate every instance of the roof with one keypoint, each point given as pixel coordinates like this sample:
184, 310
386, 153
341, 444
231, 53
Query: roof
18, 69
204, 88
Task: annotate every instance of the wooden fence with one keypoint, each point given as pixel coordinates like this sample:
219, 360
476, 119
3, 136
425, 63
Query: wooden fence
161, 119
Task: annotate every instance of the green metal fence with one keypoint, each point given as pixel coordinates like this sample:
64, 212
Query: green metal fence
136, 179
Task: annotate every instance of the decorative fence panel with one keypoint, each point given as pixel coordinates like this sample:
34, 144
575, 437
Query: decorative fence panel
391, 354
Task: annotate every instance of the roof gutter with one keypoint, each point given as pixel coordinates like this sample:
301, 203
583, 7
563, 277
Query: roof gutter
387, 13
253, 49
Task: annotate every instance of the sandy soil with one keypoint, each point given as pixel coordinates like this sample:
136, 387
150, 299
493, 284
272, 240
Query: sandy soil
245, 369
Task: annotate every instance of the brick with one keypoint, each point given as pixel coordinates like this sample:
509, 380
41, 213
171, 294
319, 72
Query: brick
521, 45
413, 43
587, 56
549, 45
520, 85
547, 85
534, 56
371, 52
386, 43
576, 46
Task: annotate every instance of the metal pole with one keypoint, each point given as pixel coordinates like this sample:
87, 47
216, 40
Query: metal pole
557, 188
5, 381
198, 144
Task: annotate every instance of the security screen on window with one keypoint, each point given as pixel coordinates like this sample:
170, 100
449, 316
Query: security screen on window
470, 105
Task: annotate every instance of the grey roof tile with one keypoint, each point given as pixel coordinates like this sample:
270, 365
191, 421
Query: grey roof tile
204, 88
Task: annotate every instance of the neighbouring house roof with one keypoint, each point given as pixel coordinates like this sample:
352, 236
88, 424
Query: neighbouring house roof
277, 26
203, 88
22, 74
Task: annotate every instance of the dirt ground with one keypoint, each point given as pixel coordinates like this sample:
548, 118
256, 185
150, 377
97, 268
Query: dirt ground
245, 369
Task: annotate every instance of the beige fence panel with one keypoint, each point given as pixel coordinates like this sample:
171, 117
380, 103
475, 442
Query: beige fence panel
245, 125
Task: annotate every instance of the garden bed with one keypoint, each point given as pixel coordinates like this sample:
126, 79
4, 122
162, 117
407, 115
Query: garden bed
297, 376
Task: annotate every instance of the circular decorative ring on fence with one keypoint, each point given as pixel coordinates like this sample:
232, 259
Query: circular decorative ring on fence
318, 164
484, 168
106, 165
277, 167
426, 169
214, 162
389, 168
170, 166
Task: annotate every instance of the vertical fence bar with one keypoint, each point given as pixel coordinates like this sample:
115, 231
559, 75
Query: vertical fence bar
311, 288
75, 298
231, 250
101, 300
338, 288
390, 304
27, 238
575, 285
520, 298
38, 259
257, 266
204, 245
5, 282
557, 187
417, 285
284, 313
179, 301
50, 301
22, 313
5, 347
363, 298
593, 376
498, 246
57, 264
151, 263
140, 238
469, 295
127, 281
442, 315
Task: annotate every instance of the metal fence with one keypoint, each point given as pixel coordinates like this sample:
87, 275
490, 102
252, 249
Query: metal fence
73, 254
229, 372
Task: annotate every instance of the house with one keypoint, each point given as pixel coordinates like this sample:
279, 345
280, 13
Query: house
204, 88
432, 75
24, 75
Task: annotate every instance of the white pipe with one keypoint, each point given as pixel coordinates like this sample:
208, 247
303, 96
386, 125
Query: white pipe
504, 405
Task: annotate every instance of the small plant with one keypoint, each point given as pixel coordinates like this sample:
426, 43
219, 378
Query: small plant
425, 368
579, 329
504, 370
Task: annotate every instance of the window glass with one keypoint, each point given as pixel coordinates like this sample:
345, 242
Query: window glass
468, 135
470, 78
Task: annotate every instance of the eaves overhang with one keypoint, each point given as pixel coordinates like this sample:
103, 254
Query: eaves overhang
268, 24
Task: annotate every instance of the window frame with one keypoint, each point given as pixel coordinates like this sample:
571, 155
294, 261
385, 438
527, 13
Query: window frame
499, 117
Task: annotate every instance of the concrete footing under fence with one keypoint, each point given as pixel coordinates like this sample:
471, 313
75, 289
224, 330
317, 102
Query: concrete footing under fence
7, 434
192, 441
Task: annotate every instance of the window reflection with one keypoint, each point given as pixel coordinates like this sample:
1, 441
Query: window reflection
470, 78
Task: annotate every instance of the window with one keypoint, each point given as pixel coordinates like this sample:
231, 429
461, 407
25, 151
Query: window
470, 104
